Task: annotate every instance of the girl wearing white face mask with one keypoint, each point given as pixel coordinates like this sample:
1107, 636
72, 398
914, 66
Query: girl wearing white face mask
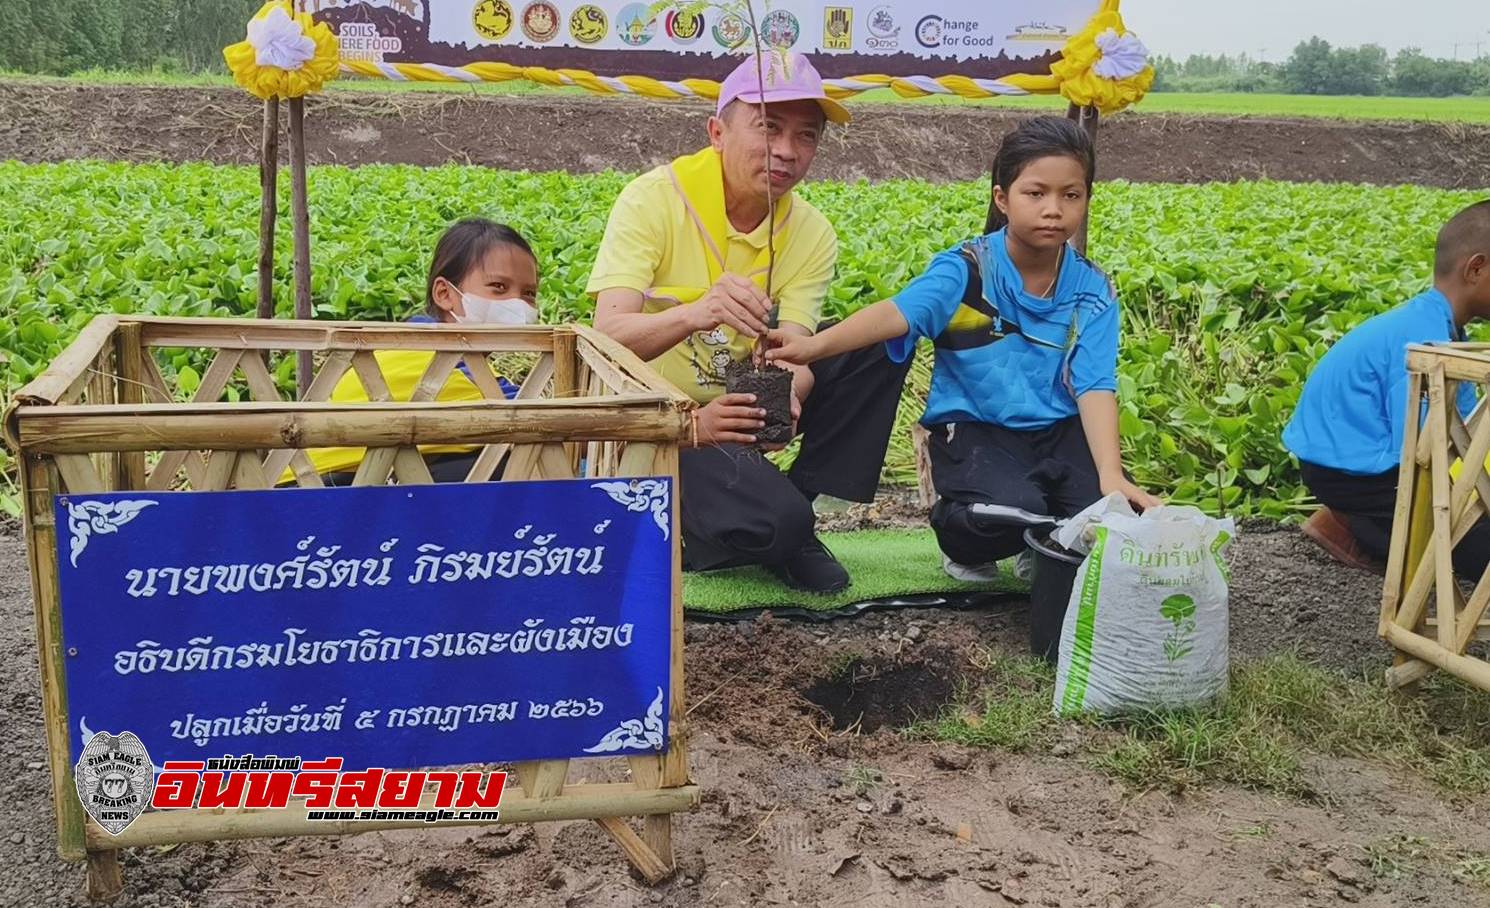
482, 273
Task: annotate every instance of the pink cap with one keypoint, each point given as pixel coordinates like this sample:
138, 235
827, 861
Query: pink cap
789, 77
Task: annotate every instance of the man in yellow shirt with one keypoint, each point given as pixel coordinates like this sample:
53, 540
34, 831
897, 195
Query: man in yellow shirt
680, 280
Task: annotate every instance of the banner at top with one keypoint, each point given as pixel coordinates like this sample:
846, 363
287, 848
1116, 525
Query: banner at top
980, 39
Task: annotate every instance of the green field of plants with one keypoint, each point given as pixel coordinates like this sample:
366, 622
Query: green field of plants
1230, 291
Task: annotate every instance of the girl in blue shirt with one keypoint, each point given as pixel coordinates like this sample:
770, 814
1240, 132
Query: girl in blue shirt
1023, 409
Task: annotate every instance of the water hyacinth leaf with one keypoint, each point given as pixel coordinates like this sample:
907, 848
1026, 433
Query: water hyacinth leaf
1228, 288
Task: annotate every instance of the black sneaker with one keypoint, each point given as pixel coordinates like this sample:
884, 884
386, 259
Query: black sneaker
812, 570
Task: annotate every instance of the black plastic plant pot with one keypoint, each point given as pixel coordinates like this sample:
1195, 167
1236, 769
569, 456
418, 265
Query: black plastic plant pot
1050, 591
772, 387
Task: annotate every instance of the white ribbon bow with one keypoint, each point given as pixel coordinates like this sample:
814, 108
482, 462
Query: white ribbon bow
1122, 56
278, 41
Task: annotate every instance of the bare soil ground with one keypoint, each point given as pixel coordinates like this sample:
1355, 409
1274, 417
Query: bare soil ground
814, 797
40, 122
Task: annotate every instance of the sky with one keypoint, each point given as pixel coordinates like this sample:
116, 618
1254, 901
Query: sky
1179, 28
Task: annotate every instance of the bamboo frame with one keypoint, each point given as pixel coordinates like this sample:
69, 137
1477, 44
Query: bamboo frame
1424, 615
92, 420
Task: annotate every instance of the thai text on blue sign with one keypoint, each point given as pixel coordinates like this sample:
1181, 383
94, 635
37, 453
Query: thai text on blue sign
393, 626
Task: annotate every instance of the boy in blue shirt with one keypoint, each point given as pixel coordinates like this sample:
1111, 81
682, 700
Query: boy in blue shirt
1347, 430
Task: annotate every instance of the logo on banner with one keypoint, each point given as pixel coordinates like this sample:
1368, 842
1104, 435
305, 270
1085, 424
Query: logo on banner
492, 19
838, 28
929, 31
781, 29
588, 24
635, 24
114, 779
541, 21
731, 31
684, 27
884, 32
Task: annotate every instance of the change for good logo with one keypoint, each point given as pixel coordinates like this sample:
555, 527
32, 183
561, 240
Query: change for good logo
929, 31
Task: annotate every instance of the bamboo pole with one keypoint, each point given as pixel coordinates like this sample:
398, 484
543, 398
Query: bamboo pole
129, 355
610, 375
1086, 118
639, 853
254, 426
1474, 671
1443, 566
675, 762
491, 455
40, 483
287, 334
300, 215
542, 778
1458, 364
71, 366
629, 362
579, 802
1396, 579
103, 391
105, 879
335, 366
1472, 451
653, 771
268, 205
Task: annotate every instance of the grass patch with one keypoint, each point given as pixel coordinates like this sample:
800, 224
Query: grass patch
1474, 870
1405, 856
861, 780
1398, 857
1276, 710
1011, 710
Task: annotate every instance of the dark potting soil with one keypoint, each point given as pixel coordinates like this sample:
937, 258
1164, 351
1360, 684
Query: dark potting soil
772, 387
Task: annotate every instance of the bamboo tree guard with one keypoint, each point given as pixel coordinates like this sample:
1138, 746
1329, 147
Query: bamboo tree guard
1434, 511
102, 418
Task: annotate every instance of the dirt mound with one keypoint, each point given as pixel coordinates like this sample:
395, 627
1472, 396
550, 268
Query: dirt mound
48, 122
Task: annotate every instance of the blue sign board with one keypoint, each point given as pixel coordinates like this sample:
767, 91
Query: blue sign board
392, 626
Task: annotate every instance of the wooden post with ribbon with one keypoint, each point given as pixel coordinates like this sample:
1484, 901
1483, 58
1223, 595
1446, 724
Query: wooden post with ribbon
285, 56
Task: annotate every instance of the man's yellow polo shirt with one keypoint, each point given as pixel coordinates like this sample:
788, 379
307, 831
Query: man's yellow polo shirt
651, 241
